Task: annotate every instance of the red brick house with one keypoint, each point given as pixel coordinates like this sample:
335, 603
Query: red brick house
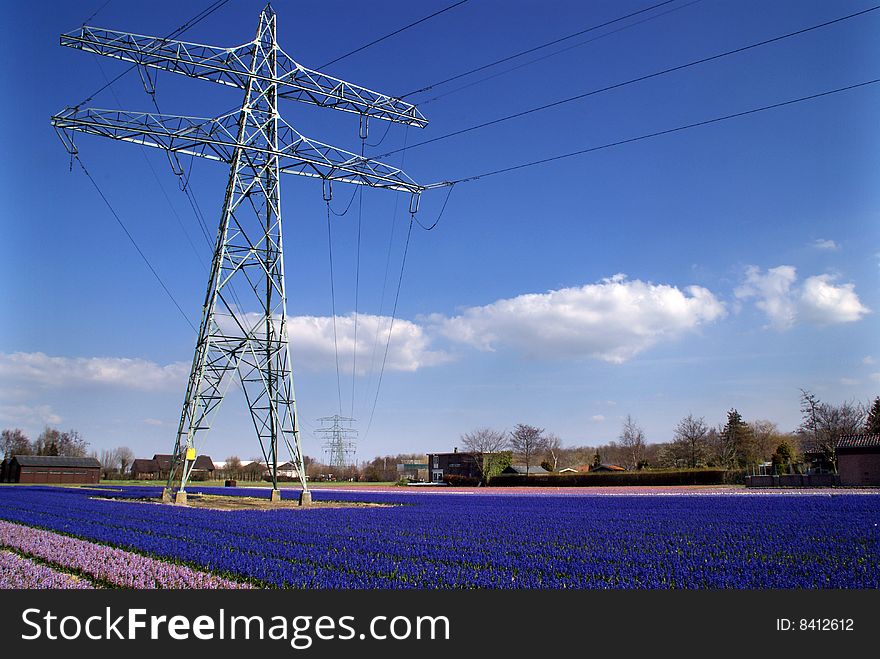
858, 459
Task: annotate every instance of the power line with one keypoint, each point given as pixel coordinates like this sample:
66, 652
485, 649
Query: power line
663, 132
479, 81
195, 20
333, 310
618, 85
357, 284
134, 242
96, 12
535, 48
391, 34
391, 327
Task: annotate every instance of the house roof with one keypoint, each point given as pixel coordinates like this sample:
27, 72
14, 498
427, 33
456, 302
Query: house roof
607, 467
204, 462
521, 469
859, 441
287, 466
55, 461
144, 466
163, 460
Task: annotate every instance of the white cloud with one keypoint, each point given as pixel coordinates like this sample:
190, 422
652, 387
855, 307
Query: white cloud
39, 368
818, 300
868, 360
153, 422
826, 245
612, 320
28, 415
598, 418
824, 303
773, 291
312, 344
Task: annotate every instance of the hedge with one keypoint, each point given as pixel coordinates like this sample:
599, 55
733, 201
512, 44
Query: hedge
604, 479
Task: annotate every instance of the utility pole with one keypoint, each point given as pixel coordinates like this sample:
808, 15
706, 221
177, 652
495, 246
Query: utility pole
338, 440
243, 329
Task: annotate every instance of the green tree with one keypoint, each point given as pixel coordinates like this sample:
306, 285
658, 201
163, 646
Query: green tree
782, 458
872, 425
733, 441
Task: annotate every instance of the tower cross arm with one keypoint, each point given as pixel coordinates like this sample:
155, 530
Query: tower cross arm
230, 66
217, 139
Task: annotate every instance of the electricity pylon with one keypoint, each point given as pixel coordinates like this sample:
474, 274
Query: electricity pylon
244, 334
337, 437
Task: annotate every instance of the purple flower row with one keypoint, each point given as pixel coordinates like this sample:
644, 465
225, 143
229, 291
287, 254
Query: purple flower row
114, 566
19, 572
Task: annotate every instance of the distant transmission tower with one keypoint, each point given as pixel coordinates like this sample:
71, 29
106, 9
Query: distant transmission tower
243, 327
338, 440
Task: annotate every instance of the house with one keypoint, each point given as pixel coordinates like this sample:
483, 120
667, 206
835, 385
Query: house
4, 468
145, 469
52, 469
858, 459
605, 468
416, 471
157, 467
288, 470
522, 470
452, 464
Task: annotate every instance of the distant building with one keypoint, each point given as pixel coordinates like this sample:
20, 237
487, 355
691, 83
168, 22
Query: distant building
605, 468
858, 459
145, 469
452, 464
52, 469
158, 466
417, 471
521, 469
288, 470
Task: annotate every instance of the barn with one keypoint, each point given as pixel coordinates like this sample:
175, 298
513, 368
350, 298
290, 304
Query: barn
53, 469
858, 459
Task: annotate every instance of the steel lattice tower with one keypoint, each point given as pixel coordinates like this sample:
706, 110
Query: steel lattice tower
243, 327
338, 440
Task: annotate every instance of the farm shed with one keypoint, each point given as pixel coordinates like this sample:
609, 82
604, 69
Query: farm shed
203, 468
53, 469
145, 469
4, 468
858, 459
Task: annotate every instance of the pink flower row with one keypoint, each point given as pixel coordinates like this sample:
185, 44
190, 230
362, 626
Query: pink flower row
118, 567
19, 572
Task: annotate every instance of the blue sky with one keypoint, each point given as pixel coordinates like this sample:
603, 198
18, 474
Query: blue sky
725, 266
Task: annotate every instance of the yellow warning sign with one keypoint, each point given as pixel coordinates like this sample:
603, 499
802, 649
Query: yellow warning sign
190, 454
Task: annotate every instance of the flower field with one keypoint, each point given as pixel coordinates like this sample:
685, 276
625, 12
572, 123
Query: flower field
448, 540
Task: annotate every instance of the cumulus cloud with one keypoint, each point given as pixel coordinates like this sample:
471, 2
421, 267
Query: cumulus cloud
817, 300
612, 320
597, 418
312, 343
773, 291
39, 368
825, 245
28, 415
824, 303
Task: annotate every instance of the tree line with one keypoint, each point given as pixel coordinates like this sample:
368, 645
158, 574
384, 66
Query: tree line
735, 444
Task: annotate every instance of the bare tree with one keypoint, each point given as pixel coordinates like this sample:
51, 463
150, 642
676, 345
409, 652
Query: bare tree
486, 446
690, 442
632, 439
527, 442
14, 442
823, 424
124, 458
233, 467
553, 448
108, 461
